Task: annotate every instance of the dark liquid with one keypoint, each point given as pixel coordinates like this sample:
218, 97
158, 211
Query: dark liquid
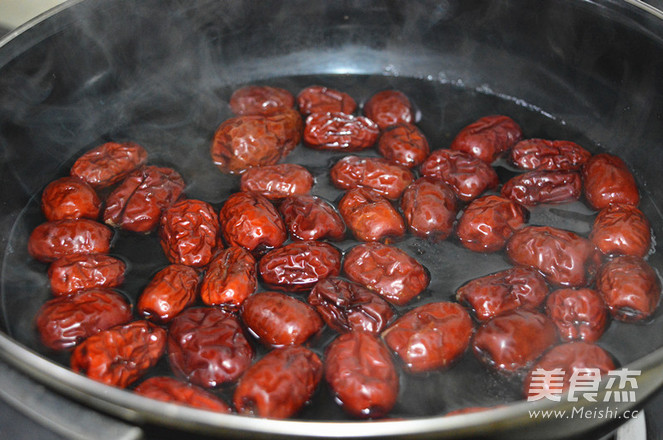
176, 138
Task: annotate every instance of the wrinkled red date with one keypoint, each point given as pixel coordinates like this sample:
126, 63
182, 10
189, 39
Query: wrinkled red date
137, 203
468, 176
512, 342
189, 233
431, 336
120, 355
230, 278
277, 181
279, 384
169, 292
340, 132
563, 257
362, 375
607, 179
429, 208
389, 107
85, 271
386, 178
311, 218
207, 346
370, 216
386, 270
53, 240
404, 144
630, 288
70, 198
169, 389
319, 99
579, 314
346, 306
278, 319
260, 100
488, 223
488, 137
621, 230
298, 266
65, 321
548, 155
109, 163
538, 187
501, 292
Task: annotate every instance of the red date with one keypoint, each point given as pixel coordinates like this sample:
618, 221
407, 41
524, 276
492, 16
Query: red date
512, 342
429, 208
109, 163
65, 321
288, 126
279, 384
85, 271
579, 314
189, 233
488, 137
488, 222
431, 336
169, 292
207, 347
385, 178
278, 319
70, 198
404, 144
53, 240
346, 306
621, 230
386, 270
538, 187
340, 132
136, 204
370, 216
260, 100
120, 355
563, 257
362, 375
548, 155
630, 288
319, 99
607, 180
298, 266
311, 218
389, 107
230, 278
169, 389
501, 292
468, 176
277, 181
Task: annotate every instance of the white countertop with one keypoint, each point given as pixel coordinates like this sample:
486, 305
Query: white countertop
16, 12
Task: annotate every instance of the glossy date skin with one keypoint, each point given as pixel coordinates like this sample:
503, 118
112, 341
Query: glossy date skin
249, 220
501, 292
65, 321
386, 270
579, 314
548, 155
70, 198
488, 137
277, 319
607, 179
207, 347
362, 375
169, 389
429, 208
431, 336
339, 132
370, 216
320, 99
630, 288
563, 257
512, 342
468, 176
169, 292
277, 181
120, 355
488, 222
621, 230
109, 163
137, 203
539, 187
385, 178
73, 273
404, 144
298, 266
189, 233
53, 240
279, 384
260, 100
311, 218
389, 107
346, 306
230, 278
